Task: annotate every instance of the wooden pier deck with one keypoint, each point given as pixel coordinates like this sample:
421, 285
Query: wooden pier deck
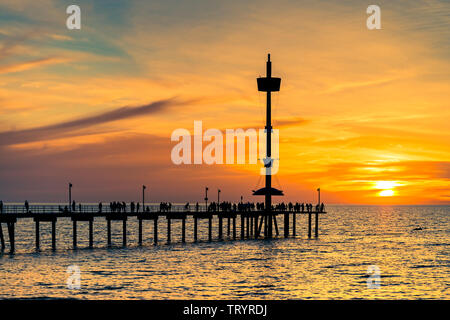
251, 222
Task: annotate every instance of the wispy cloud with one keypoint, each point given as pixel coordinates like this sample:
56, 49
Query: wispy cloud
22, 66
56, 130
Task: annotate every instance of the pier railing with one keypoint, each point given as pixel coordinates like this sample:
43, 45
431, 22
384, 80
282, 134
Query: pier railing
106, 209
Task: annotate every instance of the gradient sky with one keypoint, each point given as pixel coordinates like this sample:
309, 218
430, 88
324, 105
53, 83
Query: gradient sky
362, 114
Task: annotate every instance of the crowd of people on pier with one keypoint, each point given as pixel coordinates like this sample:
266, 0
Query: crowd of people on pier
259, 206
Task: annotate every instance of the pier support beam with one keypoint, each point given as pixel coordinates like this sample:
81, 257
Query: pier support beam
155, 231
259, 227
255, 226
140, 232
228, 226
270, 218
74, 233
168, 230
286, 225
124, 236
294, 224
37, 234
2, 238
276, 225
183, 230
317, 225
220, 227
195, 228
242, 227
234, 228
12, 240
54, 235
91, 233
108, 227
309, 224
210, 229
266, 229
248, 226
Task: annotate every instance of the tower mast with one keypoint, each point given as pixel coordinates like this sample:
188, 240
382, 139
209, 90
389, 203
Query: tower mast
268, 85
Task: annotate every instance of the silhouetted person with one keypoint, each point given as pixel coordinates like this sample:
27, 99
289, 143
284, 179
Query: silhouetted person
132, 206
79, 207
27, 206
73, 206
100, 206
137, 207
322, 207
1, 206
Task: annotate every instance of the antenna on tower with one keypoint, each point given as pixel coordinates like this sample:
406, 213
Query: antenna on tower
268, 85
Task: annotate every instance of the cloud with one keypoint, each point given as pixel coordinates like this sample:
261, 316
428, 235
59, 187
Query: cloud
60, 129
31, 64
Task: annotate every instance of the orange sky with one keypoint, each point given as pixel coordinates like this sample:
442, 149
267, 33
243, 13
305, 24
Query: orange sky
363, 114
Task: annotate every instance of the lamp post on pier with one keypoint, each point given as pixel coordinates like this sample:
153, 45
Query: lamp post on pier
206, 199
143, 197
318, 191
218, 196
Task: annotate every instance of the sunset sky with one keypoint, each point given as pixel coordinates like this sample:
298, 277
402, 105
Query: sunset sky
363, 114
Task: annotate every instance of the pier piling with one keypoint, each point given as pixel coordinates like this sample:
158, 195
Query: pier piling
248, 226
293, 224
276, 225
317, 226
195, 228
124, 236
140, 232
37, 233
108, 227
12, 240
286, 225
228, 226
234, 228
74, 233
155, 231
54, 235
309, 224
220, 227
242, 227
2, 238
210, 229
91, 233
183, 230
168, 230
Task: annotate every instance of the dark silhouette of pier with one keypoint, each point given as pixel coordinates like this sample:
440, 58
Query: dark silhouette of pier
256, 220
246, 212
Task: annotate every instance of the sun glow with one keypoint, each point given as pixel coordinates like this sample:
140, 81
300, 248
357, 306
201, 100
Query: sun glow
386, 193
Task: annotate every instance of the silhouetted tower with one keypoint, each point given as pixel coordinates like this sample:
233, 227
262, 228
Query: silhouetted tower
268, 84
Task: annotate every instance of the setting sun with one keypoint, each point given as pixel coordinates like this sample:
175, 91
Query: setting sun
386, 193
385, 184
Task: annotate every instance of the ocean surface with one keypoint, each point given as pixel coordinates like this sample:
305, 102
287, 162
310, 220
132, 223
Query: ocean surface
412, 264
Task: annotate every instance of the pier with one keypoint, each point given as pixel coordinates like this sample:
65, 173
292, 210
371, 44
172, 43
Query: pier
254, 224
44, 215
